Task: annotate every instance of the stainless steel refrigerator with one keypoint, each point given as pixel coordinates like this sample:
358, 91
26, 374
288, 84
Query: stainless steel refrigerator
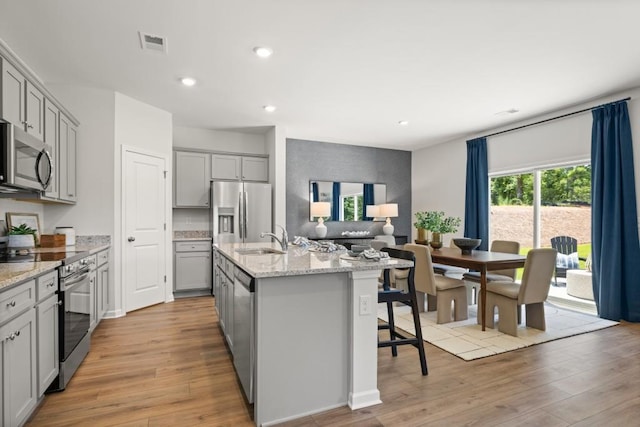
240, 211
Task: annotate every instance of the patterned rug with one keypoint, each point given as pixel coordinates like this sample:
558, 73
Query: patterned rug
466, 340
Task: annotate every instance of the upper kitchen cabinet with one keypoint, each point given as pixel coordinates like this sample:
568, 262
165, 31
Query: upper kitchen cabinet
191, 179
22, 102
239, 168
67, 160
52, 138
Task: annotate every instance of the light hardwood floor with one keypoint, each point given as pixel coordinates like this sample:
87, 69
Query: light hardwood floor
167, 365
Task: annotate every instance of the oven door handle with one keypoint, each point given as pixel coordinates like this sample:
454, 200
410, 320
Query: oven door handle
77, 280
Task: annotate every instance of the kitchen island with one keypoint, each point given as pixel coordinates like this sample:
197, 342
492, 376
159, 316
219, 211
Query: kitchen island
313, 323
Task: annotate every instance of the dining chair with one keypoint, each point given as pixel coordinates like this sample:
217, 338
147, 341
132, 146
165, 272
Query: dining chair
442, 292
472, 278
389, 295
532, 292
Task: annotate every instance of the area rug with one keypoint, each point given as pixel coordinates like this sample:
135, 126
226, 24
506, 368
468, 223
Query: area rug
466, 339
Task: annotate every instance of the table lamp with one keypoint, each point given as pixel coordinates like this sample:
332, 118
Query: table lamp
320, 210
388, 210
373, 211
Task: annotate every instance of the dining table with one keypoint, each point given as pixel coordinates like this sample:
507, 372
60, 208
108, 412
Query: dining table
481, 261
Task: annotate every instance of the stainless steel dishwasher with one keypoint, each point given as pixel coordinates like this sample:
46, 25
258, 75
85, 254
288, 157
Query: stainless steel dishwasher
244, 331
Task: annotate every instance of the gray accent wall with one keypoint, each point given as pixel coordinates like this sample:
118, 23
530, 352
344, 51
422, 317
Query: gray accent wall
312, 160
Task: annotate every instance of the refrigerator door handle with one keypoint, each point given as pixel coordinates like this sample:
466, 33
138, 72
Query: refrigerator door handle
241, 214
244, 206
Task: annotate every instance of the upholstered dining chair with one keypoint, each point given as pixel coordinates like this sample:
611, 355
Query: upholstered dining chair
389, 295
441, 290
472, 278
532, 292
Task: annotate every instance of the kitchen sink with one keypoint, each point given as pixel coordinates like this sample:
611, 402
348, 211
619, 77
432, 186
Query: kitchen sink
258, 251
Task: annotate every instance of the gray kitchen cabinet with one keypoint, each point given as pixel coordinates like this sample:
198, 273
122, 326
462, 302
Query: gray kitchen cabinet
22, 102
244, 168
51, 137
224, 300
192, 266
93, 300
19, 380
13, 94
67, 159
47, 330
191, 179
103, 284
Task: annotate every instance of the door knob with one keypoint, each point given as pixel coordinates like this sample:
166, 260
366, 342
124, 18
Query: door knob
131, 239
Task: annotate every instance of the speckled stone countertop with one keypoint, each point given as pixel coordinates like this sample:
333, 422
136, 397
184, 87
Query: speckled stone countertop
298, 261
182, 236
12, 273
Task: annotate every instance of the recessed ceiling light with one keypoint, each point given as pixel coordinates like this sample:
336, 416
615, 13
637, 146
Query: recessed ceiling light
262, 51
269, 108
403, 122
188, 81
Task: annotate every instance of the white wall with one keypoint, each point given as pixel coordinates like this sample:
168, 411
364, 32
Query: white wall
276, 142
216, 140
93, 212
148, 129
439, 172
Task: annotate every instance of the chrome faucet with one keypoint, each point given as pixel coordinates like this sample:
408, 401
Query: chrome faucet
284, 241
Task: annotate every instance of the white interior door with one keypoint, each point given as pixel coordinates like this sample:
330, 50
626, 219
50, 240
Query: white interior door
144, 224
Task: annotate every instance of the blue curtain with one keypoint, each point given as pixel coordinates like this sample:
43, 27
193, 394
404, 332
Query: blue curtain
335, 202
367, 199
614, 229
314, 190
476, 201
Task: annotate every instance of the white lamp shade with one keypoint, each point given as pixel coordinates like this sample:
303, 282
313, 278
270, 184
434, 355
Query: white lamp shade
373, 211
320, 209
389, 210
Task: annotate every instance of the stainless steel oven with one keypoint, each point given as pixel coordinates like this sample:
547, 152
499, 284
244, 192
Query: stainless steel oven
74, 317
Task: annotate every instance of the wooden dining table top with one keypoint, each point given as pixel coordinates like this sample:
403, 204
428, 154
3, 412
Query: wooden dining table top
477, 259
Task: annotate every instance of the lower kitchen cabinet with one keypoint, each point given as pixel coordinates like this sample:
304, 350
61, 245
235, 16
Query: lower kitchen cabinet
192, 266
224, 297
47, 320
19, 373
102, 284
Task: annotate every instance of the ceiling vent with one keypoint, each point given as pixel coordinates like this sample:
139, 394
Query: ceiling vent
153, 42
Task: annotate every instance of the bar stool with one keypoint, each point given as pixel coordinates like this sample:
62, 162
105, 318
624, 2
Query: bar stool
389, 295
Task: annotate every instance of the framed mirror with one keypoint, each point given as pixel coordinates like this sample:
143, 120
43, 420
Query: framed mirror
348, 199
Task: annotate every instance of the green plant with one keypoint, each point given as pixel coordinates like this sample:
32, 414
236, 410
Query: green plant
435, 221
22, 229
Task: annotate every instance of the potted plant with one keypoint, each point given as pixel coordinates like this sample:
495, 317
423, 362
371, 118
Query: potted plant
22, 237
421, 226
438, 224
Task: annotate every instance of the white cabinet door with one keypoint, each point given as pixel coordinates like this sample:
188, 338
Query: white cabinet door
19, 381
13, 95
192, 271
51, 137
255, 169
225, 167
47, 336
67, 159
228, 332
191, 180
35, 111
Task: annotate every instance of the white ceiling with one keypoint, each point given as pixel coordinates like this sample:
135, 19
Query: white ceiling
343, 70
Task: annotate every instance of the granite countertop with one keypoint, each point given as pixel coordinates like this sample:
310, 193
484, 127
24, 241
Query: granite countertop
298, 261
15, 272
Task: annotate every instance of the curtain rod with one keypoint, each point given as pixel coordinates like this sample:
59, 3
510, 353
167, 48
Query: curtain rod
554, 118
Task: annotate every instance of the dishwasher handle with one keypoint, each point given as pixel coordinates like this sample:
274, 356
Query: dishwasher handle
244, 279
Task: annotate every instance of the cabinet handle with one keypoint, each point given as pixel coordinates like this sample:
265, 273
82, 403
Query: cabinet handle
59, 303
11, 337
131, 239
11, 304
50, 284
29, 126
17, 333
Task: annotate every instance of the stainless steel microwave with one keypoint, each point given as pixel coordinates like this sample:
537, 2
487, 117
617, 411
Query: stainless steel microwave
25, 161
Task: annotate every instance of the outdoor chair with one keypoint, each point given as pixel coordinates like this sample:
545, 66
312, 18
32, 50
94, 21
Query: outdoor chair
567, 258
532, 293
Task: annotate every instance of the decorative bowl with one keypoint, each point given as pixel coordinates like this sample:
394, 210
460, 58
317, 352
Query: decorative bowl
466, 244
